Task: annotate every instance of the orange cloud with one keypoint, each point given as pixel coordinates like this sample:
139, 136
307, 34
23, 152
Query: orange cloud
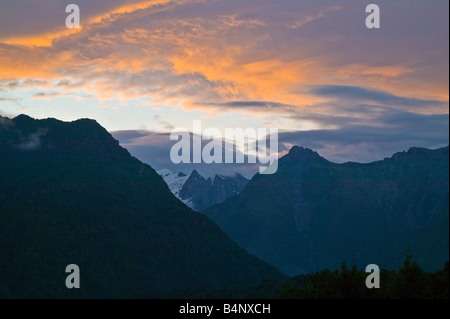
41, 40
198, 62
46, 39
126, 9
32, 63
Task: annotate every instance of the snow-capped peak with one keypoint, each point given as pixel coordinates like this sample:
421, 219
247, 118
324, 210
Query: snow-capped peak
175, 181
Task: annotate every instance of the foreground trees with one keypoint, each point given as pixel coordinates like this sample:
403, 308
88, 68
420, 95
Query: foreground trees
409, 282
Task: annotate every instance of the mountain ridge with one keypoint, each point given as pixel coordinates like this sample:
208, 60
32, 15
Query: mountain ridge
313, 214
69, 194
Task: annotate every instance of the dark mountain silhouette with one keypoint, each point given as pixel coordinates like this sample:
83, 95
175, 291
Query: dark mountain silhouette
313, 214
69, 194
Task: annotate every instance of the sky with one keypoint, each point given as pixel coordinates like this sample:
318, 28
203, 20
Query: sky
310, 68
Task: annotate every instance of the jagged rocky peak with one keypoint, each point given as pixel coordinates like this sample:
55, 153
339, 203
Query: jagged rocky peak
198, 192
303, 153
196, 175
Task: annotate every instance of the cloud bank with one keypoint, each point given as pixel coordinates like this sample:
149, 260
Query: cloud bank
309, 67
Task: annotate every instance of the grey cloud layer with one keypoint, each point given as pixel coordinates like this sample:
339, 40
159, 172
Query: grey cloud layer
358, 143
154, 149
364, 94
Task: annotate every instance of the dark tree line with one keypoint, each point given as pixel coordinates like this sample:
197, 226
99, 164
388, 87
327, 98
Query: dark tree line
347, 282
409, 282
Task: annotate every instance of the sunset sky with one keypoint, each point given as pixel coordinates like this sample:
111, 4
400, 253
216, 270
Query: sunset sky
310, 68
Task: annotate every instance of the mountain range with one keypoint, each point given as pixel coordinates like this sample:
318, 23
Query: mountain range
200, 193
70, 194
313, 214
